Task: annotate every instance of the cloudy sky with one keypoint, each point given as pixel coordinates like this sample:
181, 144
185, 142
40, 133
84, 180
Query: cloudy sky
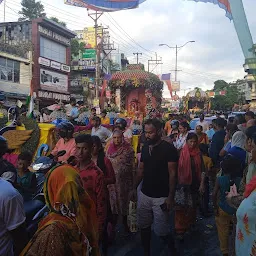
216, 54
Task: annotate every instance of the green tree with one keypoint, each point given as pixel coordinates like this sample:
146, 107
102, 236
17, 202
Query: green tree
31, 10
76, 47
220, 85
62, 23
232, 96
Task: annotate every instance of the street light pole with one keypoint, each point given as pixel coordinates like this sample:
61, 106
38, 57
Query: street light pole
176, 63
176, 55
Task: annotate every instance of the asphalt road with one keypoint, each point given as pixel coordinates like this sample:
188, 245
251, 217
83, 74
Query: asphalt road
202, 241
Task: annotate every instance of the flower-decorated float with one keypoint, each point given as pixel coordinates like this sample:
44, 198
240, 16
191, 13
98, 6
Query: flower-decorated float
135, 90
197, 101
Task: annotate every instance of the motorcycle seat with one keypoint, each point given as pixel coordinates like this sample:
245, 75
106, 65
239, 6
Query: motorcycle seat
32, 207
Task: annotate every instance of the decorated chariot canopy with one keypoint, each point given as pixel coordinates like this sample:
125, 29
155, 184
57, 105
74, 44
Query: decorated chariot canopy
139, 90
197, 94
197, 100
135, 76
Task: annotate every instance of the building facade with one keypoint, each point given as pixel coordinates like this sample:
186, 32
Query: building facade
49, 64
15, 60
244, 88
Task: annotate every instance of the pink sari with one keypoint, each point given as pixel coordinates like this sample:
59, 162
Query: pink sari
122, 159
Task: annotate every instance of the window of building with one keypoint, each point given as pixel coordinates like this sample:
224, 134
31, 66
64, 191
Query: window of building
9, 70
52, 50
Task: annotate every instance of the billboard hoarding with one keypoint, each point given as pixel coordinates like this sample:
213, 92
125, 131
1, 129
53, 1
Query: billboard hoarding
175, 86
88, 37
53, 81
89, 54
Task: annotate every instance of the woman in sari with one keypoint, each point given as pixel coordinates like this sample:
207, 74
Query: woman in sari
71, 227
121, 156
246, 222
190, 183
202, 137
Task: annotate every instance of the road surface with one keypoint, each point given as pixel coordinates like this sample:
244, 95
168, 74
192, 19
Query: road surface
202, 241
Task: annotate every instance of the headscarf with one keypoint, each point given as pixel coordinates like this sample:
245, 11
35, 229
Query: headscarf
238, 140
113, 150
71, 209
184, 168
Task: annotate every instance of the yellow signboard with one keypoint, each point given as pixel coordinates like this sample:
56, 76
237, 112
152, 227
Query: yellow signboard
88, 36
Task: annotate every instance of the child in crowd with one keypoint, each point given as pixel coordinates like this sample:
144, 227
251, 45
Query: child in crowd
26, 180
223, 212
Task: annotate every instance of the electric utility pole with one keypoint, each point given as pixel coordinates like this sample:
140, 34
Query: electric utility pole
137, 53
156, 62
176, 70
95, 16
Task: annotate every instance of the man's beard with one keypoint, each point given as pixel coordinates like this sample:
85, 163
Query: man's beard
152, 141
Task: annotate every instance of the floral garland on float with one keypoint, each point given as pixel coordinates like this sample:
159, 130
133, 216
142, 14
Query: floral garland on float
134, 78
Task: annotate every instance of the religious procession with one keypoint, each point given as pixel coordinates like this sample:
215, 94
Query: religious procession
101, 157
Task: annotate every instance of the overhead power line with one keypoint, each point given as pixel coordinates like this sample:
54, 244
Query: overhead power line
129, 35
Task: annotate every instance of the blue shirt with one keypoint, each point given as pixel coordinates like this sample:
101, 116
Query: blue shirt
240, 154
227, 146
216, 145
210, 133
74, 112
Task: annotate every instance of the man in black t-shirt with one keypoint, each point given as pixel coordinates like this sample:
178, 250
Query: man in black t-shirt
157, 168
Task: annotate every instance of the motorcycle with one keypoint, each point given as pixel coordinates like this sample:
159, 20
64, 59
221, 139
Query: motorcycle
36, 208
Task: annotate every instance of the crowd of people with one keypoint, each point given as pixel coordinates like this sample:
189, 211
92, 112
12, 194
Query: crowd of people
210, 169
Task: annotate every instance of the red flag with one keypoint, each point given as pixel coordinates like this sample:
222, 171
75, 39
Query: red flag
169, 85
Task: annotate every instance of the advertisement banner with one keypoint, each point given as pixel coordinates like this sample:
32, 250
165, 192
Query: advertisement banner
53, 96
83, 64
89, 37
175, 86
89, 54
53, 64
53, 81
44, 61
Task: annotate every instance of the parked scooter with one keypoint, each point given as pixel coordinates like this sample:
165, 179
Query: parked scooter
36, 209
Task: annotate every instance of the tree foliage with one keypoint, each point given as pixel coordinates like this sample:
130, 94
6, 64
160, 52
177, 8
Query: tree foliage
76, 46
220, 85
31, 10
62, 23
233, 96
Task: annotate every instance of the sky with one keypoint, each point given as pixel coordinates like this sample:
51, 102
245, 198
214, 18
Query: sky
216, 53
